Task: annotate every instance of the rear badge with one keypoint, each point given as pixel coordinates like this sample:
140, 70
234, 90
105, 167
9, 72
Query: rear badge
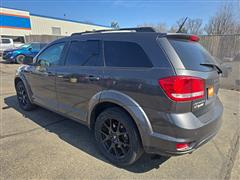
210, 91
199, 104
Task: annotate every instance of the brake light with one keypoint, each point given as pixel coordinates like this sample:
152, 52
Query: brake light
183, 88
193, 38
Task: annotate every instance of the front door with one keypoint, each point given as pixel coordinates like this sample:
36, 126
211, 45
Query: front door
41, 76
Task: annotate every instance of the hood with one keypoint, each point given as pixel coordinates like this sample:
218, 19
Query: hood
12, 49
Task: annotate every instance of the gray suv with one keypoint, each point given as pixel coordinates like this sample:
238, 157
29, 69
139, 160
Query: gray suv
139, 90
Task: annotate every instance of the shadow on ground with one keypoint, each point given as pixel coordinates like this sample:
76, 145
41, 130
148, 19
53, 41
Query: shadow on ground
77, 135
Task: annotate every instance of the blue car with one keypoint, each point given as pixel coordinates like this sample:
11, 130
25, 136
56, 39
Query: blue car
17, 55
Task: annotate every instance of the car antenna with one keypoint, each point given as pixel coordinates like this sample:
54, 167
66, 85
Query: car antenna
180, 28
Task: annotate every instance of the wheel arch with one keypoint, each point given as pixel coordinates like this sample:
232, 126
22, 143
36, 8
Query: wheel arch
112, 98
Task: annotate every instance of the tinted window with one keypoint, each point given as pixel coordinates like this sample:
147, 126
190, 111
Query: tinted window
192, 54
51, 55
6, 41
125, 54
84, 53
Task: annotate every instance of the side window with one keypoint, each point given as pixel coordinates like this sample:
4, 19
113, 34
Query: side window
125, 54
84, 53
6, 41
51, 55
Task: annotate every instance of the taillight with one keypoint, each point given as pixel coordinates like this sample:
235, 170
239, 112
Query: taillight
183, 88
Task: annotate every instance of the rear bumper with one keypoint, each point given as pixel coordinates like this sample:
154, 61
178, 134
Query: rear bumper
186, 128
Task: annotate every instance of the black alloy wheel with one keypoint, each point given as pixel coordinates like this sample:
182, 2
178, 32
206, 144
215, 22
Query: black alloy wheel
117, 137
23, 98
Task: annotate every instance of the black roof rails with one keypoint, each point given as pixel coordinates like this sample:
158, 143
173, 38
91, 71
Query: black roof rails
138, 29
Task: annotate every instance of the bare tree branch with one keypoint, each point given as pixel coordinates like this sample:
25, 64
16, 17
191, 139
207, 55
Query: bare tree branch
160, 27
224, 21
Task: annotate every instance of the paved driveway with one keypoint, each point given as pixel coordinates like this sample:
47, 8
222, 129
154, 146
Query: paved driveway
42, 144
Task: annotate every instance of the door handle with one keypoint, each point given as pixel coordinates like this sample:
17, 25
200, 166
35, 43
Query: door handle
93, 78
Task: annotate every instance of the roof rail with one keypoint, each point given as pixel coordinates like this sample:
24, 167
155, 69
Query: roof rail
138, 29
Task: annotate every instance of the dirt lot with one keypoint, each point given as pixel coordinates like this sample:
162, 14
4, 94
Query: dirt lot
42, 144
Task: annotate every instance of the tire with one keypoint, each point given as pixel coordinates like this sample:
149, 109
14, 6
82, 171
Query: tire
20, 58
117, 137
23, 99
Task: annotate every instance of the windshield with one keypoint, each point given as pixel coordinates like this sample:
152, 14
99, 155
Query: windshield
25, 46
192, 54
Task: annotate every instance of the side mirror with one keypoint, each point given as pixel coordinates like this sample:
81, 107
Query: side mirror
30, 49
28, 60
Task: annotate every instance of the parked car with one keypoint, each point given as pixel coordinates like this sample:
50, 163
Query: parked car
5, 43
139, 90
16, 55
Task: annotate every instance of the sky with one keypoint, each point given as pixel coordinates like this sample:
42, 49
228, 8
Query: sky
127, 13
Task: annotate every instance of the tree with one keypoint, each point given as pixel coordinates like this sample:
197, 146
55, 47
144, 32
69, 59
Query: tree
194, 26
173, 29
115, 25
179, 23
224, 21
191, 26
160, 27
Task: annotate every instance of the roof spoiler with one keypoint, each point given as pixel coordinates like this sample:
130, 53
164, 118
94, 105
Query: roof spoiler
190, 37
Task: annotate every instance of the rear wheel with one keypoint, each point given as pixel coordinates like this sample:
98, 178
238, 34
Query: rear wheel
117, 137
20, 58
23, 98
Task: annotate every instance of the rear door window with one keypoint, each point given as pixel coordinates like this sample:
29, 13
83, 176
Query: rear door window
84, 53
125, 54
192, 54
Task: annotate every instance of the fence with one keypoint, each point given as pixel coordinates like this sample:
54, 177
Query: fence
226, 49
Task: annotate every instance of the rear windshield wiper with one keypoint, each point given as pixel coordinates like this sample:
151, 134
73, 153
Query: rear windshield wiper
212, 65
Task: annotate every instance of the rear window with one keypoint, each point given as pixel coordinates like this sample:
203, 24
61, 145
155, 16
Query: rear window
125, 54
192, 54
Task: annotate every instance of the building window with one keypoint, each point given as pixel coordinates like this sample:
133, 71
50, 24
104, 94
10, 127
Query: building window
56, 30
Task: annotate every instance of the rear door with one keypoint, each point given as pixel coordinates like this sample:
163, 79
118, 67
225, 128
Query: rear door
191, 59
80, 78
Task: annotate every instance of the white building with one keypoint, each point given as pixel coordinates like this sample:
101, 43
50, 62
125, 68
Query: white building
17, 24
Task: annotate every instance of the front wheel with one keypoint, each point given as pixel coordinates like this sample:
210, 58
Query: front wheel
20, 58
117, 137
22, 96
